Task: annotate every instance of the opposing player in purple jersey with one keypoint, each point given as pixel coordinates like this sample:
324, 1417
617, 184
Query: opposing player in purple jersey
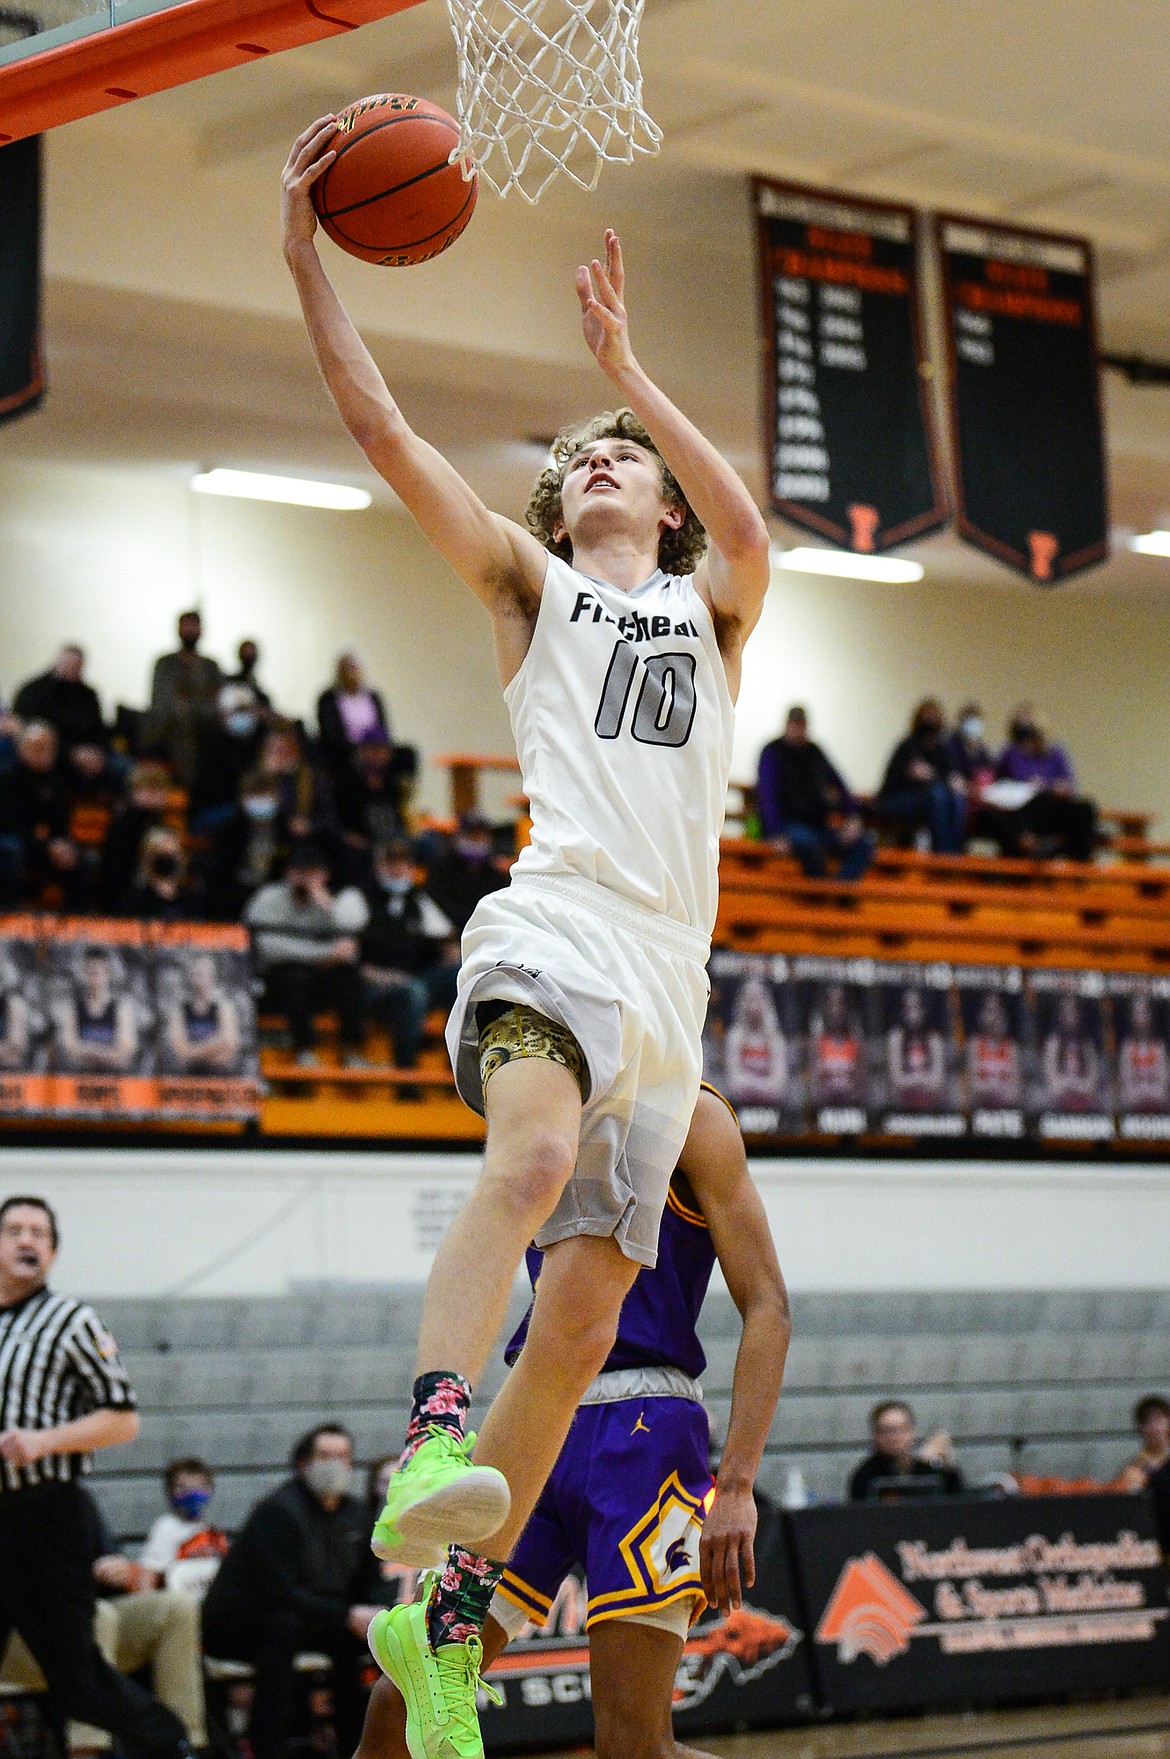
626, 1498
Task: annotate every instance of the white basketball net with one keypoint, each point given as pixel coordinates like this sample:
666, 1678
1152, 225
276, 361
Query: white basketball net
547, 86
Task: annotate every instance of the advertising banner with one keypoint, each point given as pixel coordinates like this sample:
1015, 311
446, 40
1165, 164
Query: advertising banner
919, 1074
850, 427
996, 1047
1025, 402
833, 999
1072, 1098
753, 1047
97, 975
956, 1600
207, 1045
1140, 1008
24, 1057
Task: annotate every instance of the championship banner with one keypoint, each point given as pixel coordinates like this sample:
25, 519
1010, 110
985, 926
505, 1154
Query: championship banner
97, 975
751, 1667
22, 378
1025, 401
919, 1079
849, 424
753, 1044
1073, 1101
993, 1019
833, 999
24, 1084
955, 1600
1140, 1007
207, 1044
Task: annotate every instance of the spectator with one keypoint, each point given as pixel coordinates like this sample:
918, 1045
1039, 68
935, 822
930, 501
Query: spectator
899, 1465
410, 952
305, 798
79, 1400
183, 692
348, 713
226, 747
466, 870
183, 1549
64, 701
369, 800
1056, 820
249, 848
971, 758
248, 656
300, 1575
162, 891
1151, 1417
143, 809
921, 791
35, 846
805, 805
307, 946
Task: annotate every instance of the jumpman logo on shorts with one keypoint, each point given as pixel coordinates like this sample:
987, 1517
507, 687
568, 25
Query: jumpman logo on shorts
639, 1425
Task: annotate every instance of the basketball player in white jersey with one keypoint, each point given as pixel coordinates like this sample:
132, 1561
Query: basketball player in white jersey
583, 987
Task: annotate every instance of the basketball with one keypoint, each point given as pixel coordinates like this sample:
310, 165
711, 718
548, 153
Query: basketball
391, 196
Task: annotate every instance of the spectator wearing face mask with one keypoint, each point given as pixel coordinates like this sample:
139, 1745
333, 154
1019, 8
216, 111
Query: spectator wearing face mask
183, 691
183, 1549
466, 870
226, 748
921, 791
143, 808
248, 659
248, 849
300, 1575
162, 891
1056, 820
410, 952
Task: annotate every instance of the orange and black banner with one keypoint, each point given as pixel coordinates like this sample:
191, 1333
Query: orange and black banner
849, 421
22, 380
1025, 402
126, 1020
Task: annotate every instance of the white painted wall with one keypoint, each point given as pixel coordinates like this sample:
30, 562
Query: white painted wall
110, 557
222, 1223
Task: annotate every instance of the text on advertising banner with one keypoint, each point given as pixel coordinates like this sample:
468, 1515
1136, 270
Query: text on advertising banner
913, 1604
849, 421
1025, 400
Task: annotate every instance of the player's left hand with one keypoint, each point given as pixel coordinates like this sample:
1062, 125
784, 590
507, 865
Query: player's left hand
727, 1559
20, 1447
601, 291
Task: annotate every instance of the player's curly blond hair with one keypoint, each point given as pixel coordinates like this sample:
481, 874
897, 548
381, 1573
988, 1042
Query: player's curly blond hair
678, 551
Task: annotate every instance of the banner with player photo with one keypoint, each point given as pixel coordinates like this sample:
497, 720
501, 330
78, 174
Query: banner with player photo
833, 1007
24, 1058
1071, 1092
752, 1052
994, 1023
1140, 1010
108, 1019
921, 1093
850, 423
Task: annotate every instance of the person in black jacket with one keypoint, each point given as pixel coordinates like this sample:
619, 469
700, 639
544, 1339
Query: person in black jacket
35, 845
348, 714
922, 790
901, 1467
69, 705
410, 952
465, 870
300, 1575
805, 803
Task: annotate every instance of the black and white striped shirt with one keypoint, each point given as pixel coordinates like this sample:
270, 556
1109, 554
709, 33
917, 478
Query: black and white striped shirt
57, 1362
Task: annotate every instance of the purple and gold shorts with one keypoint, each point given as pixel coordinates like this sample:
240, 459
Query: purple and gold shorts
626, 1501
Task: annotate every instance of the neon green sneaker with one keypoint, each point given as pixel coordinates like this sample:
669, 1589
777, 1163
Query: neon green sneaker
439, 1498
438, 1686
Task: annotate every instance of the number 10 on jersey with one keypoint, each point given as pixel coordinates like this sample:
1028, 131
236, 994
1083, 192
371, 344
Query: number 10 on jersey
664, 711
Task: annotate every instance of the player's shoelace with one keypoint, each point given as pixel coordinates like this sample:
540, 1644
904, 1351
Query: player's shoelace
458, 1666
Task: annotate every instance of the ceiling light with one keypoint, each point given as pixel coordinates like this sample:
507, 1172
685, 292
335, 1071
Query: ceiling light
890, 569
1152, 543
251, 485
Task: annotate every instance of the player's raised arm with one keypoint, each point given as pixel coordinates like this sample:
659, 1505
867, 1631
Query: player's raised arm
500, 562
735, 576
716, 1166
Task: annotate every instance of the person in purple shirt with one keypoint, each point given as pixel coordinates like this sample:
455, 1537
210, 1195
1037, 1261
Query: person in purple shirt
1057, 820
805, 805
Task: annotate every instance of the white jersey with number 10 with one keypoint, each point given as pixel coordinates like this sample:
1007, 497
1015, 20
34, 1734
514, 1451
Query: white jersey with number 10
623, 721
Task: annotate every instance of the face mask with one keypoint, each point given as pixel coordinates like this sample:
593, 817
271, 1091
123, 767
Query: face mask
241, 724
398, 883
165, 865
191, 1504
328, 1477
189, 643
972, 727
260, 806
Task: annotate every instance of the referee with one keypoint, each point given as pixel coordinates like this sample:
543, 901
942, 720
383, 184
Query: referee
63, 1392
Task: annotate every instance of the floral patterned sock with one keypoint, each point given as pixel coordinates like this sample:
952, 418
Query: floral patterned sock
461, 1597
441, 1399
